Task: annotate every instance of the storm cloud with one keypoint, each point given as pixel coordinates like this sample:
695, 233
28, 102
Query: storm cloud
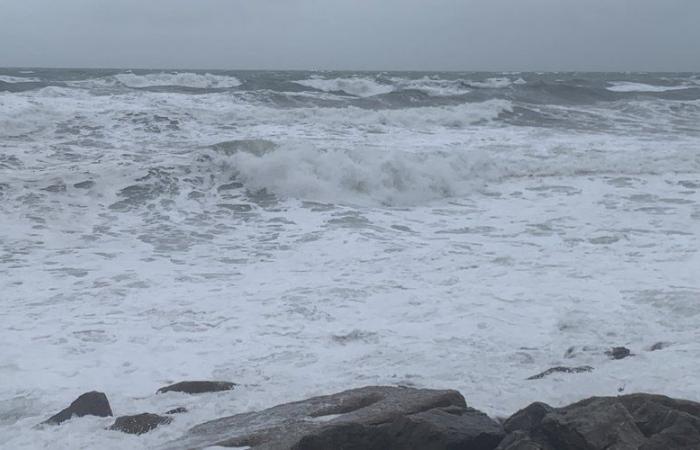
596, 35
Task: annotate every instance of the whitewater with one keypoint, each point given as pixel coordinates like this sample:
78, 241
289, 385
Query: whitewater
302, 233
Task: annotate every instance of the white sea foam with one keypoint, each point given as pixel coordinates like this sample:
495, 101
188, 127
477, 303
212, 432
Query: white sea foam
358, 86
626, 86
433, 86
392, 246
495, 83
185, 79
11, 79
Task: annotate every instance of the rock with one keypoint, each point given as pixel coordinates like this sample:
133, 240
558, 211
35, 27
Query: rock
659, 346
634, 422
140, 423
618, 353
230, 186
87, 184
59, 186
361, 418
347, 436
520, 440
446, 428
178, 410
561, 369
89, 404
198, 387
599, 424
527, 418
435, 429
669, 423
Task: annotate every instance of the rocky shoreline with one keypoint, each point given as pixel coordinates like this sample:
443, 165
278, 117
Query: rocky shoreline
404, 418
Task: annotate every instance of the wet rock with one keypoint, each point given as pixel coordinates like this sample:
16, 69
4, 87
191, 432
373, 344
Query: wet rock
58, 187
635, 422
520, 440
446, 428
659, 346
230, 186
178, 410
198, 387
240, 207
84, 184
598, 424
618, 353
435, 429
561, 369
139, 423
89, 404
362, 418
527, 418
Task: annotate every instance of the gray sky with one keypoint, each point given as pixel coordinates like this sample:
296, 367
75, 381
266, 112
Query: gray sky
353, 34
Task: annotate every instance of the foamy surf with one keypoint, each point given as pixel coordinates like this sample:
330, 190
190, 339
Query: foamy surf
379, 228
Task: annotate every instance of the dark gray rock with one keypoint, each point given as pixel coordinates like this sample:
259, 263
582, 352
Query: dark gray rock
669, 423
178, 410
527, 418
87, 184
58, 187
139, 423
347, 436
600, 424
521, 440
618, 353
451, 428
634, 422
230, 186
89, 404
198, 387
658, 346
445, 429
561, 369
363, 418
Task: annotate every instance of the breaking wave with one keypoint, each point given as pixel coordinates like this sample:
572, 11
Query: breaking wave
357, 86
182, 79
626, 86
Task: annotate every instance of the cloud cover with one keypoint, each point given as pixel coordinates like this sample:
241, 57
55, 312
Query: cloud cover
597, 35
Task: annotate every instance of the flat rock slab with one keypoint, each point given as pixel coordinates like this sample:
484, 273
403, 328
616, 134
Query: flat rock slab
561, 369
356, 411
436, 429
198, 387
139, 423
89, 404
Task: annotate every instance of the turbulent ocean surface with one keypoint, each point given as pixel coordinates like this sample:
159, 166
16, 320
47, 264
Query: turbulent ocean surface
301, 233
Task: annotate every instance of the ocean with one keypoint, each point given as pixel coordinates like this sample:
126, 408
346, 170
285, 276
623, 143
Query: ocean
301, 233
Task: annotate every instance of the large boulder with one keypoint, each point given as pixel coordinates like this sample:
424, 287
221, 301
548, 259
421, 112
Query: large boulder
436, 429
198, 387
139, 423
629, 422
367, 418
89, 404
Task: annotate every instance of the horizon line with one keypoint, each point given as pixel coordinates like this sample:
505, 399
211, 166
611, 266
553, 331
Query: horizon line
342, 70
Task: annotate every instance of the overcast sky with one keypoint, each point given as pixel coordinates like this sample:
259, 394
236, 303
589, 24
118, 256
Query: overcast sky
353, 34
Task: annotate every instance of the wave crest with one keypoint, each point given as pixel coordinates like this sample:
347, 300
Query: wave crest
357, 86
182, 79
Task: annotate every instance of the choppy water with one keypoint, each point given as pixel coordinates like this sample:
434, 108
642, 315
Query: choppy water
303, 232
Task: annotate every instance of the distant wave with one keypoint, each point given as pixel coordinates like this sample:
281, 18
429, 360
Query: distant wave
626, 86
184, 79
357, 86
11, 79
434, 86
